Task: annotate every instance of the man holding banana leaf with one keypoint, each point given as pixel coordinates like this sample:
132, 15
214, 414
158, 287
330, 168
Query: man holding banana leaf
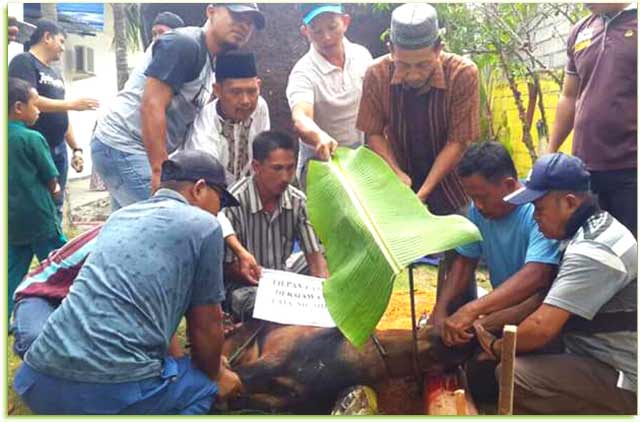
420, 111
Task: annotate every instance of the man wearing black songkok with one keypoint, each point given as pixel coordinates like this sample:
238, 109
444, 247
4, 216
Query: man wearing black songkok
227, 126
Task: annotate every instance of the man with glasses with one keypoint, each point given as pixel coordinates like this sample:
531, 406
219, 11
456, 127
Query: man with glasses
151, 115
420, 108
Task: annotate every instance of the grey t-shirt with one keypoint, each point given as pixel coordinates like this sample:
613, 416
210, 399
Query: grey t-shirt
151, 262
597, 276
180, 59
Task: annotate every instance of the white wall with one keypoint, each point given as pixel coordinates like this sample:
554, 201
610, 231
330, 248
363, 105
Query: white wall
550, 41
103, 86
16, 10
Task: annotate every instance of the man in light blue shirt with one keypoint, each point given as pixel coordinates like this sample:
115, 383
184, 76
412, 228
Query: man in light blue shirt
521, 260
105, 350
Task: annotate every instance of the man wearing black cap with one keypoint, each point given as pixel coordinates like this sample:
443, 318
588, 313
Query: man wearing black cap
165, 21
151, 115
105, 349
227, 126
592, 302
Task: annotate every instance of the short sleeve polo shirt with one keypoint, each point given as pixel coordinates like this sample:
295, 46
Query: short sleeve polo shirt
603, 54
334, 92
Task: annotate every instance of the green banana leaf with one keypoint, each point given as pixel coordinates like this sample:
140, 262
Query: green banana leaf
372, 226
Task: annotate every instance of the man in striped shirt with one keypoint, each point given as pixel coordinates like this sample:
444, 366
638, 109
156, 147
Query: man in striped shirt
272, 216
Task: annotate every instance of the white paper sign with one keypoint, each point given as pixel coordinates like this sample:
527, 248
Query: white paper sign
293, 299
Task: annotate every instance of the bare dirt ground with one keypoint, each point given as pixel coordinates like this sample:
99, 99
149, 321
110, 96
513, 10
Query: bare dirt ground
85, 206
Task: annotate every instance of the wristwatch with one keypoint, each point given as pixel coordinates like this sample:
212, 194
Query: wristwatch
77, 149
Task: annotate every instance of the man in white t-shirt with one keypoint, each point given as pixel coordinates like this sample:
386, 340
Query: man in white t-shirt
325, 85
227, 126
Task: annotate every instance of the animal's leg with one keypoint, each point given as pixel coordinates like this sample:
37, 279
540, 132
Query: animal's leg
259, 401
290, 385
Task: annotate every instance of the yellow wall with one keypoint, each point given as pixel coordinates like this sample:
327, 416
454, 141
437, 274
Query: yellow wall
505, 119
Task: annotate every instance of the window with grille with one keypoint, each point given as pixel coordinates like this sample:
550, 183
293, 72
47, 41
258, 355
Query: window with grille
84, 60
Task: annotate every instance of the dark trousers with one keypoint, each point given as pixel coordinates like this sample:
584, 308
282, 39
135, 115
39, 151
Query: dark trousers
564, 384
61, 161
482, 378
617, 192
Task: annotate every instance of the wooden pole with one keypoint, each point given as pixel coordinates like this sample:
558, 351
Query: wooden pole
507, 360
461, 402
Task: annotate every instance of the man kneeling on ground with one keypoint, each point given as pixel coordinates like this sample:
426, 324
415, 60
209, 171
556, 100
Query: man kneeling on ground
271, 217
105, 349
592, 302
521, 261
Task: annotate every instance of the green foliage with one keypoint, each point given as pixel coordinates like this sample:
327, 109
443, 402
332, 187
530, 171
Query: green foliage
372, 226
501, 39
133, 27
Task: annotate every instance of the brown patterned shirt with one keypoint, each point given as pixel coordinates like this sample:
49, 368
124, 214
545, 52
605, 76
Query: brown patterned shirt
419, 123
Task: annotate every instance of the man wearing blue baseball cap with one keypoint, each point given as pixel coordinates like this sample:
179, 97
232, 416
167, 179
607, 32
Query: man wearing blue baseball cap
325, 85
105, 350
592, 302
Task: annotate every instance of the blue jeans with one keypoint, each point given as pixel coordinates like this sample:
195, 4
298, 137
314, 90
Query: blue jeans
180, 389
30, 315
61, 161
20, 256
127, 176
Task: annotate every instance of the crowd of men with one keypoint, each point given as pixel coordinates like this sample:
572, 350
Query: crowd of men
203, 198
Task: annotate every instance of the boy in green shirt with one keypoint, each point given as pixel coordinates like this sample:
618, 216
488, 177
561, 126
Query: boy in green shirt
33, 181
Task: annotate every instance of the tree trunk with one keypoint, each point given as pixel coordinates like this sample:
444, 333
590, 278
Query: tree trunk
522, 113
543, 114
119, 29
531, 105
489, 113
122, 70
